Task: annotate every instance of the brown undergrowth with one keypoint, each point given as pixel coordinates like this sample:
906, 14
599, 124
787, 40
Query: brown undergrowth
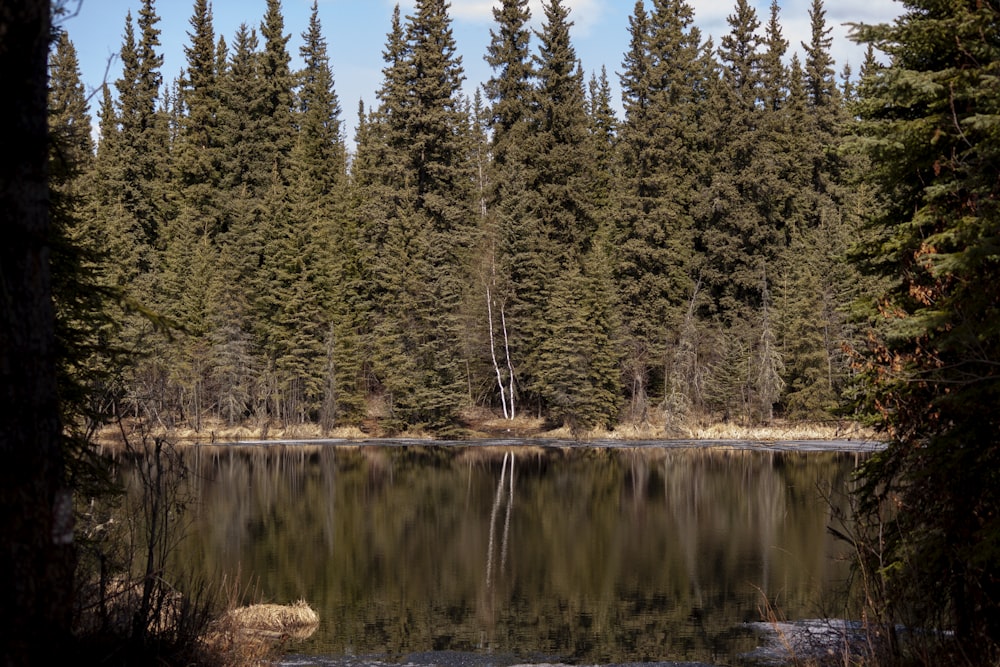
256, 634
481, 423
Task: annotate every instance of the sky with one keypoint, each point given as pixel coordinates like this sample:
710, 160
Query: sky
356, 30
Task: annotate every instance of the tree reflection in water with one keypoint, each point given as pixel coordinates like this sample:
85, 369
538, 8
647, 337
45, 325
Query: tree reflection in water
610, 554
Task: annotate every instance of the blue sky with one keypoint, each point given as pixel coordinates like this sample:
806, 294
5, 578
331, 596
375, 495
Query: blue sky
355, 31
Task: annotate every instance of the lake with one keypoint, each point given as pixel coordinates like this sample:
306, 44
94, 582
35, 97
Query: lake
527, 551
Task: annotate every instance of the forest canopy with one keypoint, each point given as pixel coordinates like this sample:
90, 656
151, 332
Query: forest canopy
759, 236
524, 252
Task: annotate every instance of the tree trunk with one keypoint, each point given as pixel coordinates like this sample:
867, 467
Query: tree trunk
36, 550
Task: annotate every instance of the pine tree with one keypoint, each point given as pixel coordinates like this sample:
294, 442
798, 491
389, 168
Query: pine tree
80, 291
319, 192
930, 128
664, 85
820, 283
511, 94
423, 264
736, 237
190, 253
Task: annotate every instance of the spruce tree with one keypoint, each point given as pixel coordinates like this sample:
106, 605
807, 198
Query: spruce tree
235, 351
563, 163
143, 129
929, 124
131, 156
603, 132
577, 363
511, 94
558, 223
510, 88
83, 300
198, 152
300, 255
737, 240
131, 172
190, 253
819, 281
277, 89
664, 82
423, 265
319, 192
742, 222
375, 196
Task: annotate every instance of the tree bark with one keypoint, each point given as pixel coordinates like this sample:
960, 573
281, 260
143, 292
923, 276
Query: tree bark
36, 551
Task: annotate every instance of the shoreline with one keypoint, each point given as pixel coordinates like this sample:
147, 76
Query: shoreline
791, 444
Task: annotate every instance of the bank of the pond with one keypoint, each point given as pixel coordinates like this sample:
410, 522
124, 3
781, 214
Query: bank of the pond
803, 446
491, 429
453, 659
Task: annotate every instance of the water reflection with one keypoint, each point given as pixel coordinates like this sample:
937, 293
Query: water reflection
586, 554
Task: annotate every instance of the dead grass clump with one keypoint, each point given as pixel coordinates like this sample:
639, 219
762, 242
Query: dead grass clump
782, 431
297, 620
638, 431
483, 420
347, 433
255, 634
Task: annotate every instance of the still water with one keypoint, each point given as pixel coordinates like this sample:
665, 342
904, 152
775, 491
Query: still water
574, 554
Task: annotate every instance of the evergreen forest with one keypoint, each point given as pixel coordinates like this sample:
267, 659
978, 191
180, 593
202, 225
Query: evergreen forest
524, 252
758, 237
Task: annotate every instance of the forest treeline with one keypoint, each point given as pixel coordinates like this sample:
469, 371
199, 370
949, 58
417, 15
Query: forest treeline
220, 254
522, 250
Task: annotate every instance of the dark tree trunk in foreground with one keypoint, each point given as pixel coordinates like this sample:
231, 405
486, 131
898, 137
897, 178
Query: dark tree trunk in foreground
35, 506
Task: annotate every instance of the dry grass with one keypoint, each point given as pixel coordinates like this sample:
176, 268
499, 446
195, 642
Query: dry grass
784, 431
111, 439
255, 634
274, 621
483, 423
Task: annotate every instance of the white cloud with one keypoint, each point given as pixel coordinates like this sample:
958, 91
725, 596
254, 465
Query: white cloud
711, 17
585, 14
472, 10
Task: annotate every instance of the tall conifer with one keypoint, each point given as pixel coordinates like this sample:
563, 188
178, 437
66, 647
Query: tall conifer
930, 126
423, 265
819, 281
319, 192
661, 140
511, 94
81, 294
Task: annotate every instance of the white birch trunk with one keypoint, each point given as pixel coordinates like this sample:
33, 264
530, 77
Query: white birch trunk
493, 354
